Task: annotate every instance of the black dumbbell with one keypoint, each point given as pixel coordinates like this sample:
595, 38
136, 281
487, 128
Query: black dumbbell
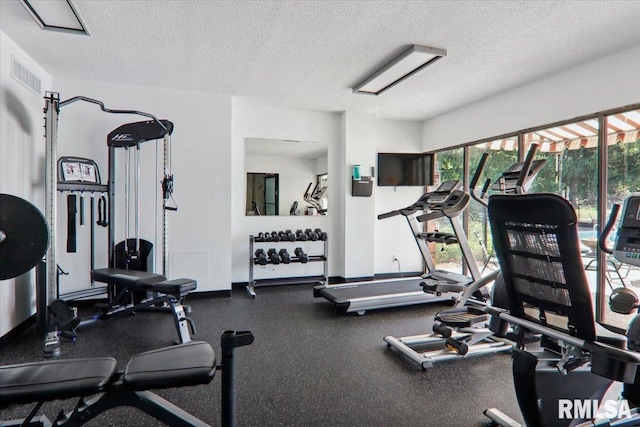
290, 236
312, 235
274, 236
285, 256
273, 255
321, 234
302, 257
261, 257
266, 236
259, 237
301, 236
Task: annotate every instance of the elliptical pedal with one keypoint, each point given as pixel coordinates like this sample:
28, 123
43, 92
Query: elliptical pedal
462, 317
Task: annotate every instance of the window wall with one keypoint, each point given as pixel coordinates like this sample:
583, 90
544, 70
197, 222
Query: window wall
580, 168
623, 178
502, 153
449, 166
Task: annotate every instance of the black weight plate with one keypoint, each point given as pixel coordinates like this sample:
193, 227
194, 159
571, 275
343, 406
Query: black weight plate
27, 236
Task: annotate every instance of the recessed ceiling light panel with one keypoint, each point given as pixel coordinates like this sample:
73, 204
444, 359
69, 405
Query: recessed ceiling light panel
56, 15
399, 68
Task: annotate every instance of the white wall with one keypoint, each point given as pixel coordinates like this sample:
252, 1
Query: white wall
199, 233
359, 212
294, 175
393, 237
608, 82
275, 123
22, 151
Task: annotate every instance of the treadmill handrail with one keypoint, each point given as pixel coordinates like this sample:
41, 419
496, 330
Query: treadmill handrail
389, 214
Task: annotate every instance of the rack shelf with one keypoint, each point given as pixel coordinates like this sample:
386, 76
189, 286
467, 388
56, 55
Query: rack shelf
319, 279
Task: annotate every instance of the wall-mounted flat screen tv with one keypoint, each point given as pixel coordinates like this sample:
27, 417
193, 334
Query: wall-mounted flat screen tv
405, 169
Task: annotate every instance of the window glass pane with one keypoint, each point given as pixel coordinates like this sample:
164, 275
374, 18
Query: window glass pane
502, 154
623, 169
449, 166
571, 171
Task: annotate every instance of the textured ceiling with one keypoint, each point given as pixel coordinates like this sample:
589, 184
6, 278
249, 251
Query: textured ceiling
307, 54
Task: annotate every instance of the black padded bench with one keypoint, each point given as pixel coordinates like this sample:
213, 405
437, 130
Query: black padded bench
100, 387
165, 292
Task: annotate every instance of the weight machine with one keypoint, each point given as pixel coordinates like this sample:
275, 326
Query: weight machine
96, 382
119, 281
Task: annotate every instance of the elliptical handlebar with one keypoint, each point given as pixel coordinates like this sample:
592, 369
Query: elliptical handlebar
306, 192
474, 181
479, 169
526, 168
602, 239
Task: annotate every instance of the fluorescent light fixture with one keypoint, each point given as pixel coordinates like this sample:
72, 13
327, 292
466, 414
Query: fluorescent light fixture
56, 15
399, 68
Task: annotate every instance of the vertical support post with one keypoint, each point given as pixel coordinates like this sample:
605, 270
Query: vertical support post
466, 177
92, 229
51, 110
111, 192
41, 297
521, 149
137, 197
603, 160
251, 284
229, 341
326, 262
165, 219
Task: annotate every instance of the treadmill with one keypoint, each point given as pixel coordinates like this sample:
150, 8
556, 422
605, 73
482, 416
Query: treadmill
446, 201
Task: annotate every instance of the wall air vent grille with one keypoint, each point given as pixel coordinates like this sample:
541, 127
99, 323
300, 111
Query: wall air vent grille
23, 75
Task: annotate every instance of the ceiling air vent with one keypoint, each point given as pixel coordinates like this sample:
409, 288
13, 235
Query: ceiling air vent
26, 77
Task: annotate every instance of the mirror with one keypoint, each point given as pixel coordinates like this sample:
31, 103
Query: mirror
286, 177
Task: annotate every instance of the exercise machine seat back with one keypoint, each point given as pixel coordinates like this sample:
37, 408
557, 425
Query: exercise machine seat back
52, 380
189, 364
536, 242
145, 259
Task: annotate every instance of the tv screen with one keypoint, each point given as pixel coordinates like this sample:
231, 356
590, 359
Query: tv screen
405, 169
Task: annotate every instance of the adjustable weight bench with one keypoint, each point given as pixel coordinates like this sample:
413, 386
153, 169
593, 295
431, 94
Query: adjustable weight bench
169, 292
99, 387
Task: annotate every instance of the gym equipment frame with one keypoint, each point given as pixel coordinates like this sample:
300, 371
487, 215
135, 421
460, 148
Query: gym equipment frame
463, 331
536, 241
95, 381
316, 279
446, 201
130, 135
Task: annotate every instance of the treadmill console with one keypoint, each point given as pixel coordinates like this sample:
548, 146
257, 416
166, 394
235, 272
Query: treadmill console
507, 181
443, 192
627, 248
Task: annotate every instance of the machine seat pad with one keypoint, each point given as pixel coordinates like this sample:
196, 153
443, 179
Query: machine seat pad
175, 287
127, 278
187, 364
52, 380
606, 336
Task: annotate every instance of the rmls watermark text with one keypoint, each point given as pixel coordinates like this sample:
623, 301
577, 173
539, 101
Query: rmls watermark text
585, 409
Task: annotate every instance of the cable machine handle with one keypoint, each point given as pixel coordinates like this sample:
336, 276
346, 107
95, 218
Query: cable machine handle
108, 110
602, 239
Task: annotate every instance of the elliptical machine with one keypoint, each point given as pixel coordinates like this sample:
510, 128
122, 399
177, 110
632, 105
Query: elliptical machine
462, 331
626, 250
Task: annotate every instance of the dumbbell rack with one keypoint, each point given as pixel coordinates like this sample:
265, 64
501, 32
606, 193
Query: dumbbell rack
316, 279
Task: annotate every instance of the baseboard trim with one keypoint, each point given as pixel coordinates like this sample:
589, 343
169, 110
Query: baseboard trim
17, 331
226, 293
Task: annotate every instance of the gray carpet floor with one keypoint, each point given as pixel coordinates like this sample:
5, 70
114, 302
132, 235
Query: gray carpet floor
308, 366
